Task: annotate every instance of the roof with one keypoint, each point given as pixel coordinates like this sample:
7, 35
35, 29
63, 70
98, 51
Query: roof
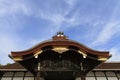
109, 66
59, 40
60, 48
13, 66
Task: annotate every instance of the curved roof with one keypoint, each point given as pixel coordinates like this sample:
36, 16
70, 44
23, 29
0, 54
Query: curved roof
60, 41
60, 44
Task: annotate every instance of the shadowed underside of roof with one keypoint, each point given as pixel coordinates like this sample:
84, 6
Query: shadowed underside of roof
104, 66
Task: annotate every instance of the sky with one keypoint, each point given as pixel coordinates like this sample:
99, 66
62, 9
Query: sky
25, 23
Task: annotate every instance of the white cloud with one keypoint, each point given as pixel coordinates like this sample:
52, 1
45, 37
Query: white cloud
7, 44
59, 16
107, 33
10, 24
115, 54
11, 7
71, 2
56, 19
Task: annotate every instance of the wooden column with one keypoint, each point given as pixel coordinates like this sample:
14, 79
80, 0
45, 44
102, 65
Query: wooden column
38, 76
38, 72
83, 77
80, 76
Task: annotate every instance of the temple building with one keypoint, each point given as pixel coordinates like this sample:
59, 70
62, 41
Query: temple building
60, 59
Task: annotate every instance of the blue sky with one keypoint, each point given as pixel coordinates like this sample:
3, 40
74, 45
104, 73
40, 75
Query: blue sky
25, 23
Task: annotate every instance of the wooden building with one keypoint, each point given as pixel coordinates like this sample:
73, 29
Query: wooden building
106, 71
60, 59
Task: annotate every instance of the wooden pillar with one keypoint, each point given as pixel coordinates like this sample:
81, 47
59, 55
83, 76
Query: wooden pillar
38, 76
80, 76
38, 72
83, 77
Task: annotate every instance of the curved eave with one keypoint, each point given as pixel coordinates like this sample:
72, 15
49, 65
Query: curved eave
60, 43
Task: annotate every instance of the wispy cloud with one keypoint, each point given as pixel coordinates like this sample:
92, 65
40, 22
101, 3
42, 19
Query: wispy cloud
71, 2
28, 22
12, 7
7, 43
115, 56
10, 25
109, 30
